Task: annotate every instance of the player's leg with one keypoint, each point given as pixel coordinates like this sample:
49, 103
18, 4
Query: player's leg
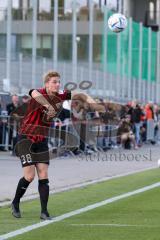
124, 138
133, 140
43, 188
29, 173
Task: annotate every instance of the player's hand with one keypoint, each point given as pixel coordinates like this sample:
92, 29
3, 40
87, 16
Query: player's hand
51, 113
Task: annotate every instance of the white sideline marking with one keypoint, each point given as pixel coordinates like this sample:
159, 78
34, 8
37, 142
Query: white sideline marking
78, 211
110, 225
79, 185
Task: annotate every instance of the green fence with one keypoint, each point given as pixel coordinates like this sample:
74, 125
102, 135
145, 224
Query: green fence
132, 53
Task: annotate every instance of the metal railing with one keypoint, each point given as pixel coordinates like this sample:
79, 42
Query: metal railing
6, 132
68, 137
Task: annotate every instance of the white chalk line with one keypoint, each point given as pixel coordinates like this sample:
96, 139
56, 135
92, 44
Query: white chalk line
78, 211
111, 225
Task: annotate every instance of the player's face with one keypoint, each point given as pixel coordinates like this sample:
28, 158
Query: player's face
53, 85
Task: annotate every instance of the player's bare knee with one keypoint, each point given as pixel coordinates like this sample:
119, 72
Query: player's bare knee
29, 178
43, 175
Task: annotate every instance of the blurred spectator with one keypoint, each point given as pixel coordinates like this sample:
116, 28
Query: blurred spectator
1, 127
156, 120
125, 134
64, 115
149, 110
3, 122
25, 101
124, 111
19, 112
136, 114
11, 107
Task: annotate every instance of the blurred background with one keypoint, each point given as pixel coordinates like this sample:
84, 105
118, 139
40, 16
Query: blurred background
72, 37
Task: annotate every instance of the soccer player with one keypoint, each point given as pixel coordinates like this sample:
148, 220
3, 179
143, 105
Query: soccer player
32, 147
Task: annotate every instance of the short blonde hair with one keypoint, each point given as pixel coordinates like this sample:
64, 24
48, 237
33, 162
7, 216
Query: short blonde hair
49, 75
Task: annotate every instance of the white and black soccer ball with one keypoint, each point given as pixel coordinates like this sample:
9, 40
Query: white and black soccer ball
117, 22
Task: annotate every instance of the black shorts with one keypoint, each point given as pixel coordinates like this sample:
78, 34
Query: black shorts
31, 153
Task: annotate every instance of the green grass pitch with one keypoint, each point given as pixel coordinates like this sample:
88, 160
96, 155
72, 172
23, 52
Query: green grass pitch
136, 217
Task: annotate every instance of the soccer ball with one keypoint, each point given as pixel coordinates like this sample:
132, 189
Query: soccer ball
117, 22
158, 162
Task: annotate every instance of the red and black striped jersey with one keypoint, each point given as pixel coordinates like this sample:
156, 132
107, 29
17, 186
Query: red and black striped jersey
34, 124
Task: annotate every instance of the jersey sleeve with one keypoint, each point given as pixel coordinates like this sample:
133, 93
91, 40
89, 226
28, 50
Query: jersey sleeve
40, 90
64, 95
30, 92
68, 95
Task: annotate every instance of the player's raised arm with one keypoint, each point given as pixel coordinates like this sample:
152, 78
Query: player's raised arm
42, 101
39, 98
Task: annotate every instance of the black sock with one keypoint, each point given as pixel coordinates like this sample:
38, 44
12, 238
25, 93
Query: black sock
21, 189
43, 188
